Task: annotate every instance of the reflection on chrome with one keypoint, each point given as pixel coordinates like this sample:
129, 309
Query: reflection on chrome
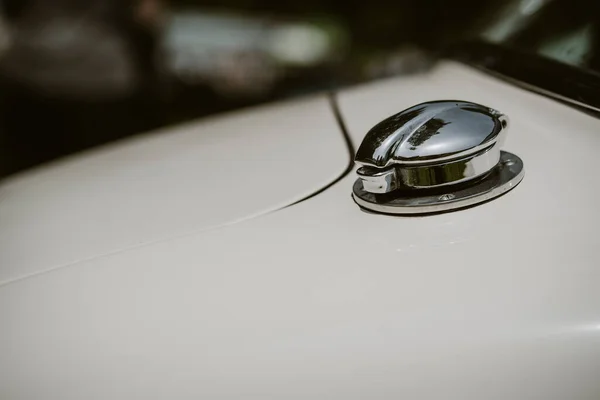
433, 157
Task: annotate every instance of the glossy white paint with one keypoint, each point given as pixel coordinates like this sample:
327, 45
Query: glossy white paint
321, 300
175, 182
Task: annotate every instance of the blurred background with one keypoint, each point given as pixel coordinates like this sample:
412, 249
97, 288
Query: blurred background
75, 74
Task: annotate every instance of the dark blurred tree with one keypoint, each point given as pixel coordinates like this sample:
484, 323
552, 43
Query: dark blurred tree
77, 73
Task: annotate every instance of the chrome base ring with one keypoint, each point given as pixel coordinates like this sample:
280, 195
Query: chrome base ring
502, 178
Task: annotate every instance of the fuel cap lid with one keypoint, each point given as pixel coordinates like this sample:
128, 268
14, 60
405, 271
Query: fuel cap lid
435, 156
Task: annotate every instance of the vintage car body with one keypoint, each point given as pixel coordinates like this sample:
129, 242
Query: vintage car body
226, 259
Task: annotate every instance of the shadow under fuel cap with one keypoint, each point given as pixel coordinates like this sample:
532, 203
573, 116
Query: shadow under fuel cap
435, 157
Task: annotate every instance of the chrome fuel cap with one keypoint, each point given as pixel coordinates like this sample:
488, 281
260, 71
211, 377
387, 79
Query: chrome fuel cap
433, 157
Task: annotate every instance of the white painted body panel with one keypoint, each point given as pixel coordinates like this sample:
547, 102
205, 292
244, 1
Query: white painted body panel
321, 300
171, 183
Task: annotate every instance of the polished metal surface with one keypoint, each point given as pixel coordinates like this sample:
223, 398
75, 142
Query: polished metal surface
505, 176
448, 146
429, 176
430, 145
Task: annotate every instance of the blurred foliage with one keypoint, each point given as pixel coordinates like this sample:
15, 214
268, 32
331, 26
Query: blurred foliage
378, 23
53, 104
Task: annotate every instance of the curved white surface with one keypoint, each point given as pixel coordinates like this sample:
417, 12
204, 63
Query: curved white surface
173, 182
324, 301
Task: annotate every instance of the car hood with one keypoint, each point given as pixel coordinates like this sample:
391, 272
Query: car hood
179, 181
322, 300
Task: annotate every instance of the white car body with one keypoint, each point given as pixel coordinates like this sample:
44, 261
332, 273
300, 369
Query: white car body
171, 266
